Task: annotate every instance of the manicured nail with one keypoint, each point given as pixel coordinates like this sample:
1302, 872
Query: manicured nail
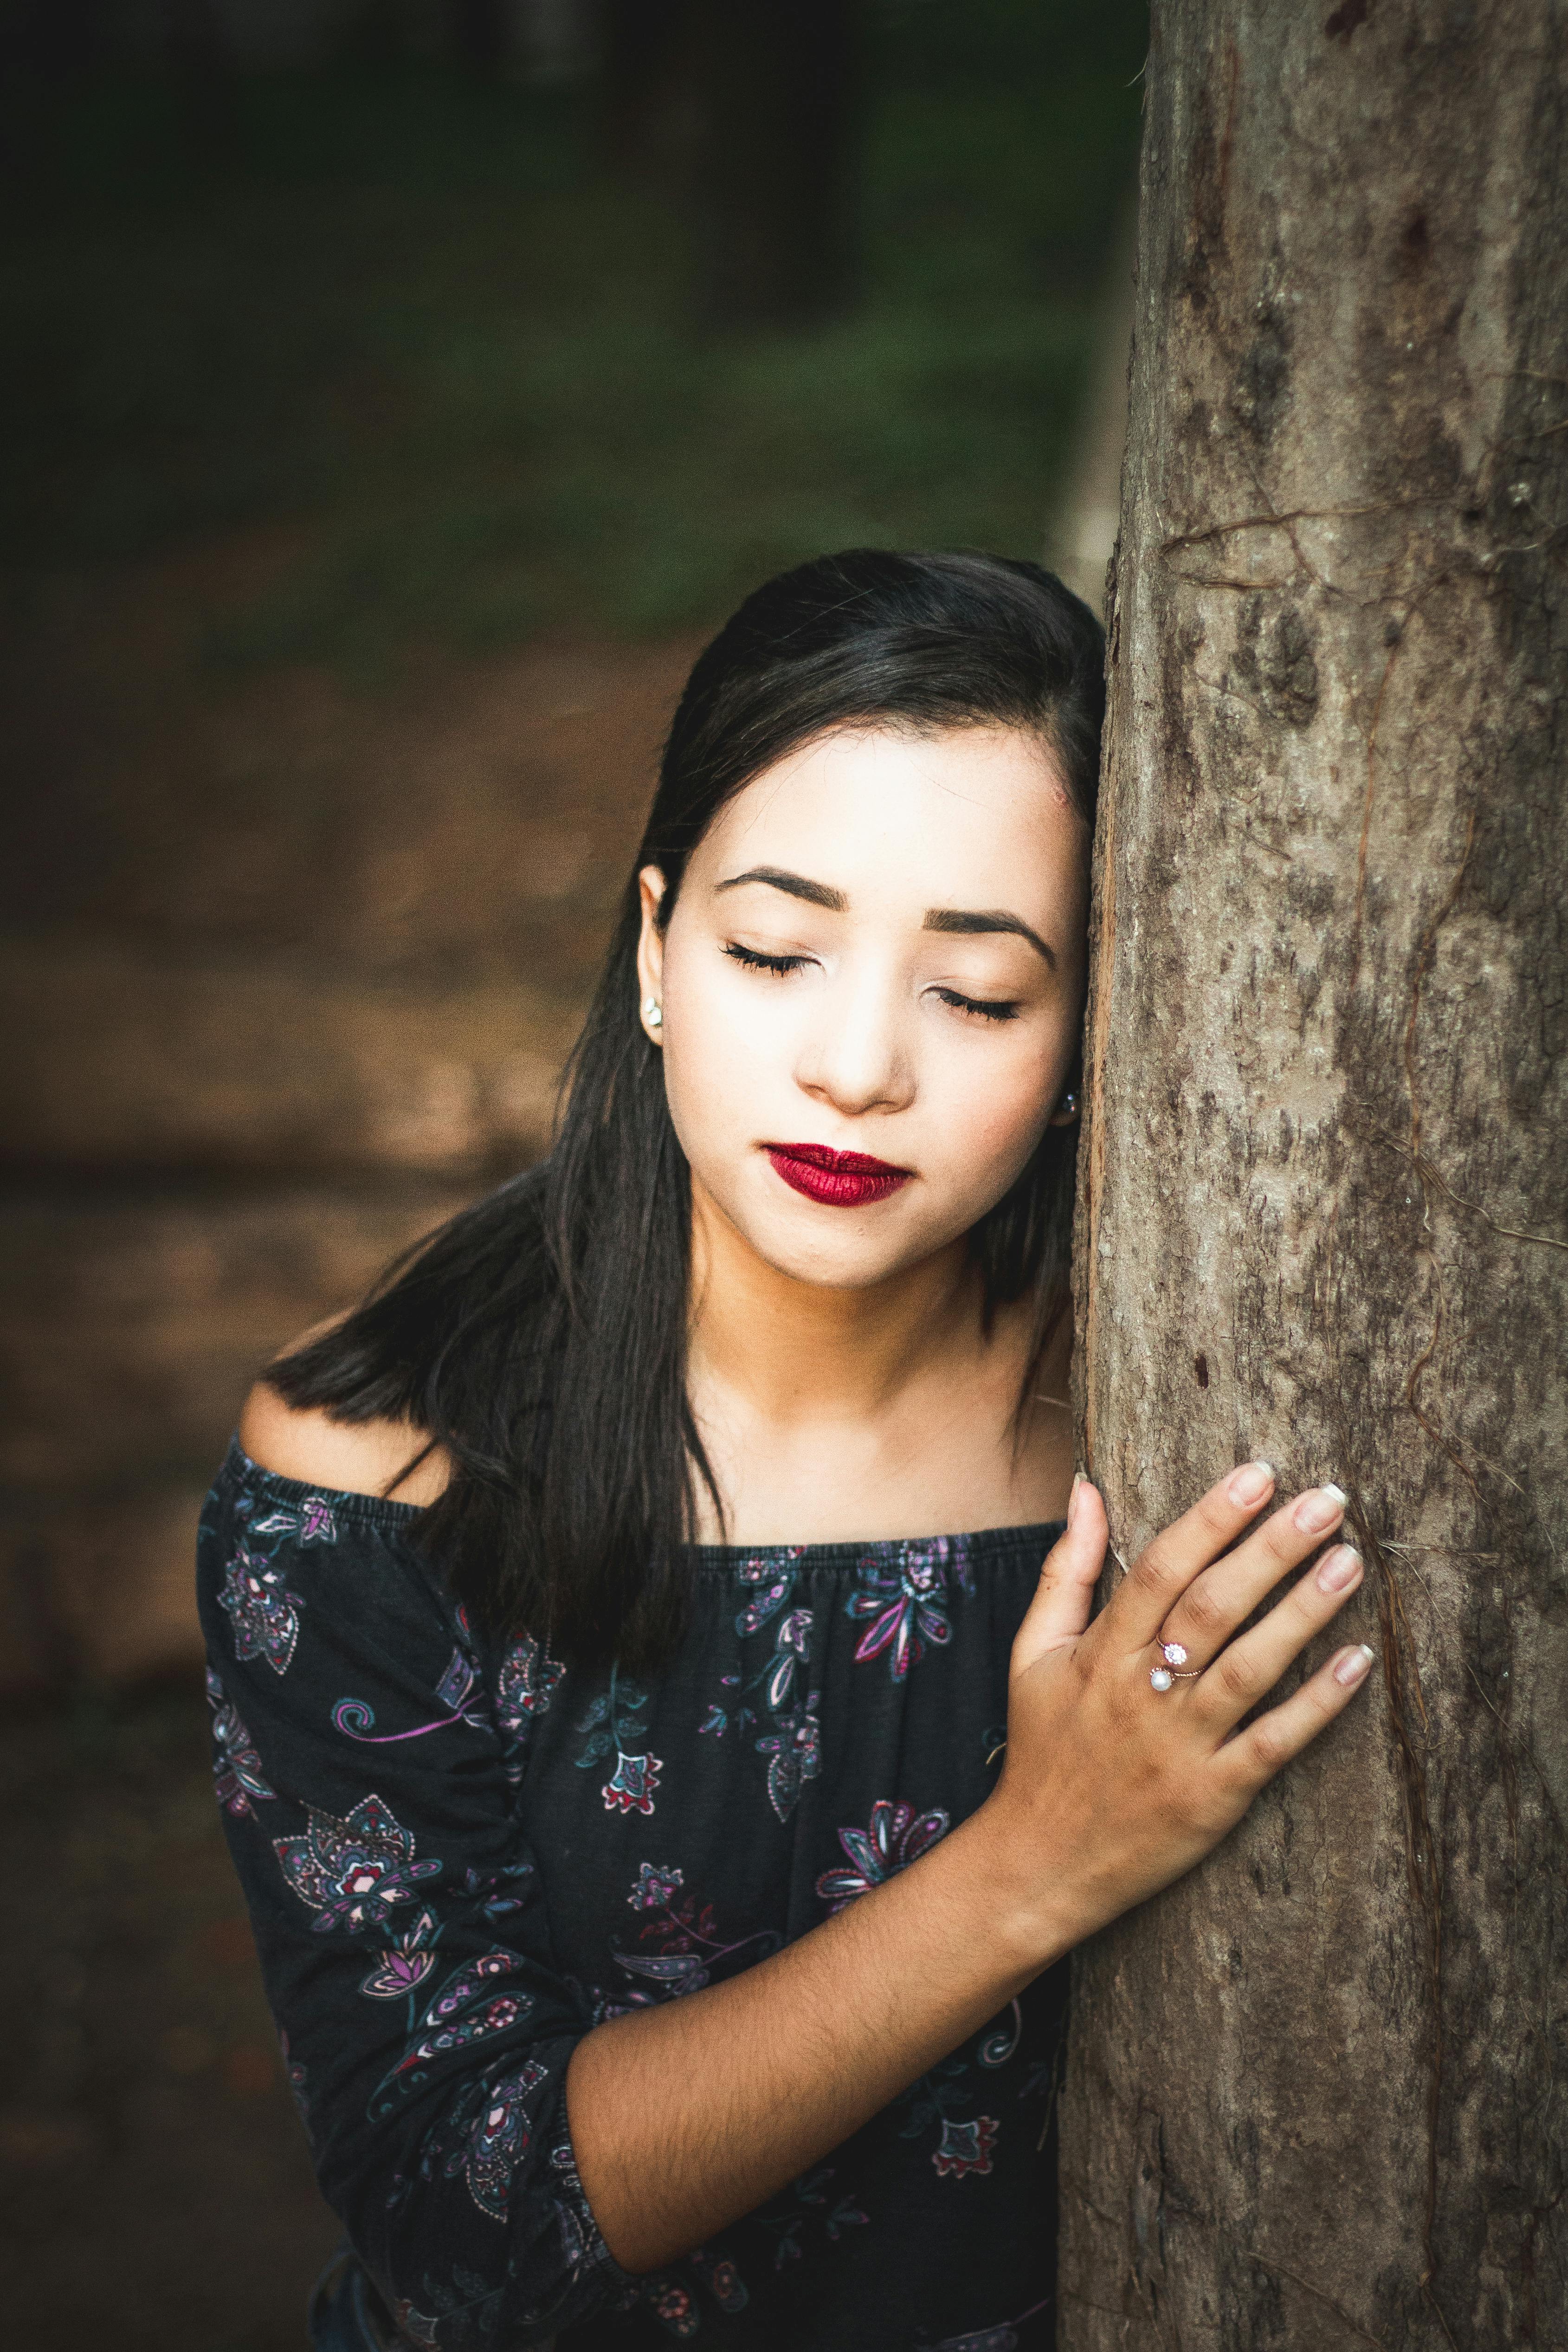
1251, 1483
1320, 1510
1352, 1665
1340, 1570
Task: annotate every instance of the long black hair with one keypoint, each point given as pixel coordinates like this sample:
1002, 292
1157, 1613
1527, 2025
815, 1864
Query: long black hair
540, 1337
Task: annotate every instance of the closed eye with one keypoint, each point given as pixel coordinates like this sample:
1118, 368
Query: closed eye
754, 960
986, 1009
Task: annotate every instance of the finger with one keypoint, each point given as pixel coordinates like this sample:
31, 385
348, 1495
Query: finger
1161, 1574
1222, 1597
1255, 1755
1248, 1668
1060, 1610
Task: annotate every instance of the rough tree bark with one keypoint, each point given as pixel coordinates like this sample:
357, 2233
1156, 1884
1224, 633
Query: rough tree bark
1316, 2093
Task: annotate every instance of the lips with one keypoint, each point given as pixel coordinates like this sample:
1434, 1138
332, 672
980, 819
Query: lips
839, 1179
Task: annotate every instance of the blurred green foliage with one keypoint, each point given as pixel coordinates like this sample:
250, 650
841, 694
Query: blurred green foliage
418, 326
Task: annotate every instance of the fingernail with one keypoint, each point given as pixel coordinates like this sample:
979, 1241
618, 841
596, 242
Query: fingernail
1352, 1665
1251, 1483
1340, 1570
1320, 1510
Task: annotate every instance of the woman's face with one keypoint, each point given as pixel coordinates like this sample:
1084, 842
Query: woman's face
878, 950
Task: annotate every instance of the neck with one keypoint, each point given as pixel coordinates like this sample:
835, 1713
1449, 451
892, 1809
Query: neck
800, 1352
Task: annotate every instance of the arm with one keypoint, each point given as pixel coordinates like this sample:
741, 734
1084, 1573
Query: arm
370, 1795
687, 2115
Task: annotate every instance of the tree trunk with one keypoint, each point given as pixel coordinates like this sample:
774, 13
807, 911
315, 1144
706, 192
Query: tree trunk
1316, 2093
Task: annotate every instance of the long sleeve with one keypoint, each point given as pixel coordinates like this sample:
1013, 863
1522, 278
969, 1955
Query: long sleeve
370, 1774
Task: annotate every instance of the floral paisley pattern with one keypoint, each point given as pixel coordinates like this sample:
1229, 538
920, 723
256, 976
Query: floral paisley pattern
311, 1523
671, 2304
689, 1945
525, 1679
265, 1613
906, 1599
238, 1776
896, 1837
632, 1784
1000, 2044
499, 2141
352, 1873
404, 1965
461, 1855
419, 2326
722, 2279
654, 1888
500, 1890
794, 1750
630, 1787
963, 2145
463, 2012
793, 1742
678, 2307
356, 1719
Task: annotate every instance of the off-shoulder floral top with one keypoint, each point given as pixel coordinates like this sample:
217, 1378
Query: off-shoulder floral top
460, 1856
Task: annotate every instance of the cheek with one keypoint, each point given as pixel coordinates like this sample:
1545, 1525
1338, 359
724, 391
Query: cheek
719, 1051
986, 1112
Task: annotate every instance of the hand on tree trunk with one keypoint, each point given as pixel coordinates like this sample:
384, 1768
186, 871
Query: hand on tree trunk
1125, 1763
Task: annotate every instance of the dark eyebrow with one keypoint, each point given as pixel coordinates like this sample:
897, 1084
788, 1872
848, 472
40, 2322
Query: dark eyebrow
817, 894
957, 918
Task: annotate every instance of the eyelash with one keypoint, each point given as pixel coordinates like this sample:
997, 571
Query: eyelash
991, 1012
754, 960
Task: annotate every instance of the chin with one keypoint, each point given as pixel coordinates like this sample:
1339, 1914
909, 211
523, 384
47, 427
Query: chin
832, 1248
837, 1268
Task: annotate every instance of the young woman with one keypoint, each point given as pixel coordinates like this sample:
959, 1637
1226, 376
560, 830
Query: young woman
663, 1779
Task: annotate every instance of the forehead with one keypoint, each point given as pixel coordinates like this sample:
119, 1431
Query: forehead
930, 819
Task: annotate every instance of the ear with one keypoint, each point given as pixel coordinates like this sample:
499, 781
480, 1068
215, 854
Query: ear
1067, 1112
651, 950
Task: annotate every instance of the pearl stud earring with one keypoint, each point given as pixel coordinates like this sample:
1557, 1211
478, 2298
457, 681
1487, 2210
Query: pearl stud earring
652, 1013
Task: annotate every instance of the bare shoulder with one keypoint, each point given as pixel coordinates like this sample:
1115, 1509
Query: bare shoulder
368, 1457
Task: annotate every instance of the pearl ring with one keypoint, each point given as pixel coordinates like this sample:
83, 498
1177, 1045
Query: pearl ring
1174, 1657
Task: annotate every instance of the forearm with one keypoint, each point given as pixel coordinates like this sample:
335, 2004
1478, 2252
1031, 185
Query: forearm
686, 2116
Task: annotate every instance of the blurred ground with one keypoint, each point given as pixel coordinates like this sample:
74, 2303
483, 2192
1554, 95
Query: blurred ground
371, 484
157, 2194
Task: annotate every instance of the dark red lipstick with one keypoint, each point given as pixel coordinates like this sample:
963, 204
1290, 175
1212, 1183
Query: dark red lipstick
840, 1180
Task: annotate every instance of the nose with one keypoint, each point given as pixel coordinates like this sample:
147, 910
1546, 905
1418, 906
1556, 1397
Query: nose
858, 1053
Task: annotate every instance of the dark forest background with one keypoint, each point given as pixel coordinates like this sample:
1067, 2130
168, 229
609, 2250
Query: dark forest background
391, 397
487, 346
